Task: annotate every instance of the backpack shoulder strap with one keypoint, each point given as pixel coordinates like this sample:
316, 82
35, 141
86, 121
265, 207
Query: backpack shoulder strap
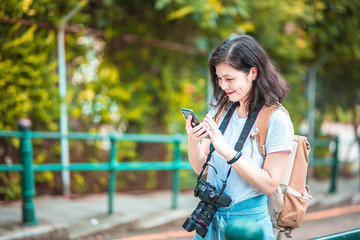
262, 125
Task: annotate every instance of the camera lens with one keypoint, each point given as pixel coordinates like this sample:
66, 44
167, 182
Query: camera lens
206, 209
204, 213
191, 224
200, 218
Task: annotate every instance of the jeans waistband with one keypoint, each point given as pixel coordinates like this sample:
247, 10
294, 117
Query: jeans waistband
253, 202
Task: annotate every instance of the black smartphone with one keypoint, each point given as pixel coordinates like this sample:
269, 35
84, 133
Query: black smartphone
187, 112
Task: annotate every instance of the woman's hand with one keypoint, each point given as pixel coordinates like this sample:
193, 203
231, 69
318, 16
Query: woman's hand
197, 151
196, 133
218, 140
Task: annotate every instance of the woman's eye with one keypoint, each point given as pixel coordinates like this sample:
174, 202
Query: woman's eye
230, 79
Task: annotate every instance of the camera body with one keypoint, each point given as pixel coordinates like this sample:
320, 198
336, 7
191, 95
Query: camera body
202, 216
208, 193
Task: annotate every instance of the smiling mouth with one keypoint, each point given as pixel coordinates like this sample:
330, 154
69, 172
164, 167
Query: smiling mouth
229, 93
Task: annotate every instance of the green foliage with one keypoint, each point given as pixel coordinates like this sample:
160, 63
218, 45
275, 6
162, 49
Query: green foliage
148, 59
27, 90
28, 78
322, 172
188, 179
337, 48
11, 188
79, 184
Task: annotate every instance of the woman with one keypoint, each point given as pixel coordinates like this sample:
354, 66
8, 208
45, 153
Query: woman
241, 72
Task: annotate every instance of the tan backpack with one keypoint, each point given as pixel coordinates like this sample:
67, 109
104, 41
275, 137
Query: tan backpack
287, 206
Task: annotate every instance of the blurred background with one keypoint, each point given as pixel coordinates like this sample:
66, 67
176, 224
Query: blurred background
128, 66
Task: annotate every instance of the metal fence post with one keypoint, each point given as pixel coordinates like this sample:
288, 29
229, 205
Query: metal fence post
176, 174
335, 168
112, 173
27, 176
351, 234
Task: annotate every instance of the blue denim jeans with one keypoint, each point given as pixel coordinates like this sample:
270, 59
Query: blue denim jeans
255, 209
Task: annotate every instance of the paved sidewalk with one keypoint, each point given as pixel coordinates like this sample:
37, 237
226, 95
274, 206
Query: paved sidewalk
61, 218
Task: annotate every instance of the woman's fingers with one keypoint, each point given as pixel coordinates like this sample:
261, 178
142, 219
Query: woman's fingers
188, 120
210, 134
188, 126
200, 129
214, 133
211, 123
199, 132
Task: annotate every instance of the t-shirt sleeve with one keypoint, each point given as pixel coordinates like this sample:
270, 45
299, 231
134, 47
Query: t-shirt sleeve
280, 133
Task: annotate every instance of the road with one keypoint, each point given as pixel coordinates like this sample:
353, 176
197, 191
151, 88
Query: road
315, 224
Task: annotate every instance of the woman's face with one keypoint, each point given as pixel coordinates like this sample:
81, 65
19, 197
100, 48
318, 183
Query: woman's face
236, 84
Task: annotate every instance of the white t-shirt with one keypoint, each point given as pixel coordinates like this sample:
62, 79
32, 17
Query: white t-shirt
279, 138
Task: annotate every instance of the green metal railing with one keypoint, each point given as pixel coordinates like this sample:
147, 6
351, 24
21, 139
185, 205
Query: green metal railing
332, 161
27, 168
348, 235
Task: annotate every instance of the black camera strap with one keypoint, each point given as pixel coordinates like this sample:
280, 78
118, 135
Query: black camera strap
222, 128
240, 142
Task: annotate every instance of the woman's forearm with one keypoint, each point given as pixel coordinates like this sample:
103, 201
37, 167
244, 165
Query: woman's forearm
257, 177
196, 155
266, 179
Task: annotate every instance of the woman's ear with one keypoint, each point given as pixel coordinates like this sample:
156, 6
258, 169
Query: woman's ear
253, 73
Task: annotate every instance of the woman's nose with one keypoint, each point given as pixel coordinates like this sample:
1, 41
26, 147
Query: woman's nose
224, 85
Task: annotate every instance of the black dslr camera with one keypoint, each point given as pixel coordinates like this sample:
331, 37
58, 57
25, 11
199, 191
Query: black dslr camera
211, 200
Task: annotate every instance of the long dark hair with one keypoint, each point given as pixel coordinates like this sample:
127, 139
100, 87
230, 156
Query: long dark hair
242, 52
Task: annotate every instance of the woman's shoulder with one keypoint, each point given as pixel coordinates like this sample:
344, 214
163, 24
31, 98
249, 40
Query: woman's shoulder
279, 117
280, 132
280, 113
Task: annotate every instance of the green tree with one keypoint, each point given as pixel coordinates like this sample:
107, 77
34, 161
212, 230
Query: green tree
337, 46
132, 64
